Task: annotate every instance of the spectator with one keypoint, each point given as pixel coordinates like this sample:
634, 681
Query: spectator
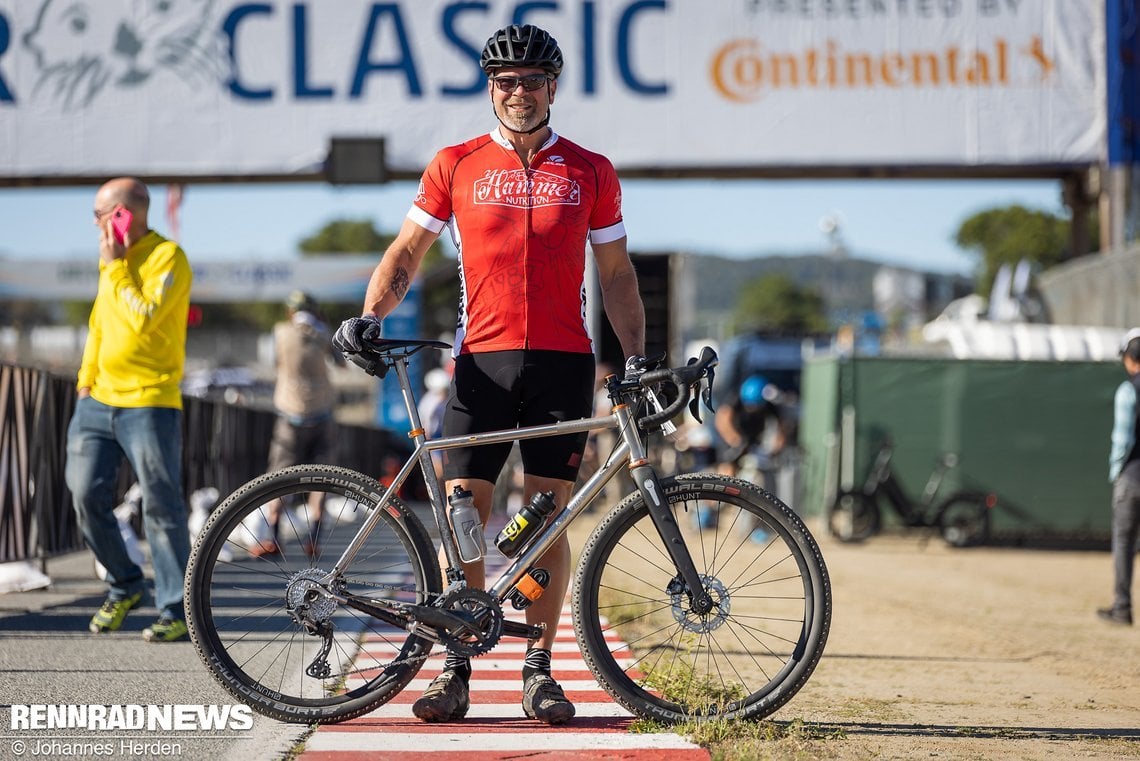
304, 397
130, 405
432, 404
749, 423
1124, 472
750, 432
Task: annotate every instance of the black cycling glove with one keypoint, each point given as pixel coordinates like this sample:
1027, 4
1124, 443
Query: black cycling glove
635, 367
355, 331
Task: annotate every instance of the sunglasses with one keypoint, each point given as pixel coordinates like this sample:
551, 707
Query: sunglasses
530, 82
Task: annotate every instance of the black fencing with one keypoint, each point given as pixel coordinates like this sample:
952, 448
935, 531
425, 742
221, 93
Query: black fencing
224, 446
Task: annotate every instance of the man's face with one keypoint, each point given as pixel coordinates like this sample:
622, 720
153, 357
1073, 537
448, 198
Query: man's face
517, 107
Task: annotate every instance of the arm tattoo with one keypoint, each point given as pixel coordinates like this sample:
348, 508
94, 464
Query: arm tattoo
400, 282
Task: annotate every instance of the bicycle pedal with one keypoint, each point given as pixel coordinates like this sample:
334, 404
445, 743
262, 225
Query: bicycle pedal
529, 588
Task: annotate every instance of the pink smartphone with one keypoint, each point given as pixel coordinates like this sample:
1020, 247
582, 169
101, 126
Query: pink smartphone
120, 223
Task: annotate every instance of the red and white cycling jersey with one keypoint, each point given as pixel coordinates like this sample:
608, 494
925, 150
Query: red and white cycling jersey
521, 235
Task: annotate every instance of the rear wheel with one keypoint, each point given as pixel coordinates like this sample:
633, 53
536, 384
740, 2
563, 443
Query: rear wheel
263, 611
854, 517
658, 656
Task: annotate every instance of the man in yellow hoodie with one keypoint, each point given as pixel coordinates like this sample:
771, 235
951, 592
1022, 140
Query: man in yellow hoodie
130, 405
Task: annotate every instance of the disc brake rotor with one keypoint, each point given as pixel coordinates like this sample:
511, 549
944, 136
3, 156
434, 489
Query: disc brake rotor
692, 621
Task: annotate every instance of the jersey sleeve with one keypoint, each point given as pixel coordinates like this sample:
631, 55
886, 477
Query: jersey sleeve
605, 220
432, 207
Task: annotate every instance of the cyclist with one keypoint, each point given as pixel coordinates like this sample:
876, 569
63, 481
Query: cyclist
520, 204
748, 425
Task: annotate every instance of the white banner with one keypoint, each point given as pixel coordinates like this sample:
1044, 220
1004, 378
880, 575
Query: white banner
223, 87
326, 278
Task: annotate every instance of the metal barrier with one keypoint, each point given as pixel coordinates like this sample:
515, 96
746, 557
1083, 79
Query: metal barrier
224, 446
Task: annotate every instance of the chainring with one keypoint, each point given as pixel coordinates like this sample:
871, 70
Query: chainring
484, 617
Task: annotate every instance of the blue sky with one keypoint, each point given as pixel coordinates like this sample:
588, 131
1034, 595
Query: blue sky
909, 222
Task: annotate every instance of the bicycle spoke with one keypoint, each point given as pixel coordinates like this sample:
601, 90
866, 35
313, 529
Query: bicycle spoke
735, 658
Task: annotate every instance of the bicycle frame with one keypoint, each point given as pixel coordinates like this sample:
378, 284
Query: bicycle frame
630, 451
301, 643
882, 480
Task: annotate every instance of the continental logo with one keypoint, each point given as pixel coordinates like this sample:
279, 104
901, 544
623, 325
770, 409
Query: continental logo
745, 70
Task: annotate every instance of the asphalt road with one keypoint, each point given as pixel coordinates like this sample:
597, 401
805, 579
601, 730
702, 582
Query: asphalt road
47, 656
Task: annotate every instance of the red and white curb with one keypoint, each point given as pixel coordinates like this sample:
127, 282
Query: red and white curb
495, 728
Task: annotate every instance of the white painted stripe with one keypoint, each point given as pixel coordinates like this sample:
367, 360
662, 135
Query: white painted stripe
395, 742
503, 647
498, 685
497, 711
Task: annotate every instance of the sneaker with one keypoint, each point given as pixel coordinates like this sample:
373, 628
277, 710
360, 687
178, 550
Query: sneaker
1116, 615
110, 616
447, 698
165, 629
311, 549
760, 536
544, 700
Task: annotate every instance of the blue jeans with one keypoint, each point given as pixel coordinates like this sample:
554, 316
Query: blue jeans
98, 438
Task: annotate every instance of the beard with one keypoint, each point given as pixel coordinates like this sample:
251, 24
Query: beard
519, 121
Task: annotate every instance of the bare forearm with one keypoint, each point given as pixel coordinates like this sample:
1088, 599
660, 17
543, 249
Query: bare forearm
388, 285
393, 276
626, 313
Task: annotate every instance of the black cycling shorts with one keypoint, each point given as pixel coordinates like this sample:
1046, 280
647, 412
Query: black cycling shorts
510, 389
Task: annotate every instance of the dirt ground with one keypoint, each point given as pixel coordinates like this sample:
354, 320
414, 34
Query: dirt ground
982, 653
990, 653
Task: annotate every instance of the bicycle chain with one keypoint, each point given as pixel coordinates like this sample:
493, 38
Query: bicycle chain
401, 661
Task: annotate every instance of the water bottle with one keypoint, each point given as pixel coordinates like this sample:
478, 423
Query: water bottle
466, 525
525, 522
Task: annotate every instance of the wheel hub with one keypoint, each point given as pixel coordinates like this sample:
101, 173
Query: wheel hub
691, 620
307, 599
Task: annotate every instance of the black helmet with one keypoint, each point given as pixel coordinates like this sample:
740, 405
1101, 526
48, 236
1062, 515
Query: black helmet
524, 46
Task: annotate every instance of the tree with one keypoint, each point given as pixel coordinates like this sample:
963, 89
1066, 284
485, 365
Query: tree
345, 236
775, 303
1009, 234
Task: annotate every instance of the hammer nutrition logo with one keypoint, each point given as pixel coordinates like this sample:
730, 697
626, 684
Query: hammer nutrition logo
522, 189
119, 718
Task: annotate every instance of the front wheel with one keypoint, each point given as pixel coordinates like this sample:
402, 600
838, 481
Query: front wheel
659, 657
854, 517
964, 521
264, 608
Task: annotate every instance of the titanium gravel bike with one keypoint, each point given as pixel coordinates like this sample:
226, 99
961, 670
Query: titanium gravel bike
675, 621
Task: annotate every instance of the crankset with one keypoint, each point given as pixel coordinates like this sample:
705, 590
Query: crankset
482, 622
